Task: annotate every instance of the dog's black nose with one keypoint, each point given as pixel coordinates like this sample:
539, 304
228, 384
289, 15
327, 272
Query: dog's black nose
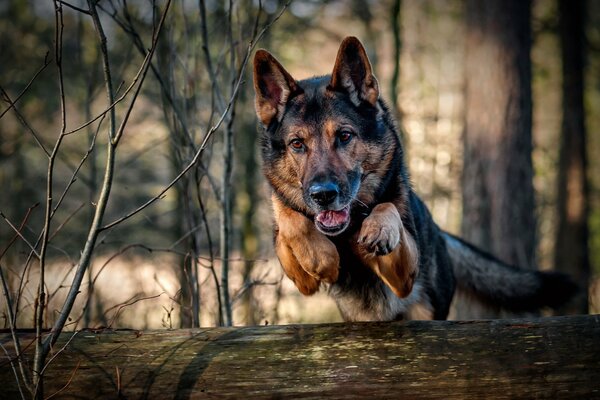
323, 193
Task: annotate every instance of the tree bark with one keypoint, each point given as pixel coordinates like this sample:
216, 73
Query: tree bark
571, 250
497, 181
249, 236
495, 359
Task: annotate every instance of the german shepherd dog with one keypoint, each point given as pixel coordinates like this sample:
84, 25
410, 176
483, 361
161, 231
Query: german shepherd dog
346, 215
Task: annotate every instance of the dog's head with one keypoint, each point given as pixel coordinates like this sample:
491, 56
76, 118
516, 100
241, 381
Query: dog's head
323, 140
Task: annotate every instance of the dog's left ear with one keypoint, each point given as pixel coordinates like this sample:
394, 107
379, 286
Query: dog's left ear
353, 73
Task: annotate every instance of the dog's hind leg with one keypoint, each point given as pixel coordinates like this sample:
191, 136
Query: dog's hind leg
389, 249
303, 251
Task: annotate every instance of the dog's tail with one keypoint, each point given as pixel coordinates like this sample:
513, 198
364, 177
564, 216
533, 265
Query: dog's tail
499, 284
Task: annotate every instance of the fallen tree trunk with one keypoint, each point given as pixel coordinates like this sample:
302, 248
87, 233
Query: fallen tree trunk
556, 357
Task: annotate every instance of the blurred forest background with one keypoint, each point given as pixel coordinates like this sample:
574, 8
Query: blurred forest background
201, 253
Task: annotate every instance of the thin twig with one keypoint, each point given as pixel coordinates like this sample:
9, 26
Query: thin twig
13, 331
78, 168
12, 365
60, 351
121, 306
21, 226
132, 85
59, 391
19, 234
247, 286
129, 28
118, 381
23, 121
54, 357
207, 57
12, 103
9, 306
66, 221
71, 6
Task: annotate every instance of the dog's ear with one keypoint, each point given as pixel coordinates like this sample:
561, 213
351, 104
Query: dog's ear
353, 73
273, 85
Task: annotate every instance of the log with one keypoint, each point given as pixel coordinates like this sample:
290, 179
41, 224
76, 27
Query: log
556, 357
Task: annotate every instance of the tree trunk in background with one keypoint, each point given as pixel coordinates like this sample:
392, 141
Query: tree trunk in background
396, 26
397, 32
247, 205
183, 220
571, 250
497, 186
362, 10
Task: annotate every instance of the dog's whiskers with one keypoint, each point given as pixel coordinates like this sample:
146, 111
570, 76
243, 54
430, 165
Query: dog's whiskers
363, 205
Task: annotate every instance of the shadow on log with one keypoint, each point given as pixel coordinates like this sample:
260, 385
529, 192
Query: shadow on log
556, 357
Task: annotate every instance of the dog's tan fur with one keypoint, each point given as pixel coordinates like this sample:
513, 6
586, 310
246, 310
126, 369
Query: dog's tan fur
308, 257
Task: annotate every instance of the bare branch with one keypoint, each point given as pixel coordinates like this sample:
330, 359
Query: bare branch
12, 103
21, 226
12, 365
66, 221
211, 131
11, 313
249, 285
23, 121
119, 133
207, 57
13, 331
40, 352
100, 207
20, 235
66, 384
132, 85
110, 94
78, 168
60, 351
53, 358
129, 28
121, 306
71, 6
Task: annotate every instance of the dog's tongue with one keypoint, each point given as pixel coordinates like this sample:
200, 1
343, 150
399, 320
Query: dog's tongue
331, 218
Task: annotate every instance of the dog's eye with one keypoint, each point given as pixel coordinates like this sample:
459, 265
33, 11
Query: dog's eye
297, 144
345, 136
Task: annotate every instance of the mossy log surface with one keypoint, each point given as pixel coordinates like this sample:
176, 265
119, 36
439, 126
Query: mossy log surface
557, 357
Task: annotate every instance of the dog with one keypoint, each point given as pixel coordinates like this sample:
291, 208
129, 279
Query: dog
345, 214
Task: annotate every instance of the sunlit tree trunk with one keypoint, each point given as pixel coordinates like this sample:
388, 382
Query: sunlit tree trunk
571, 250
363, 10
498, 196
396, 26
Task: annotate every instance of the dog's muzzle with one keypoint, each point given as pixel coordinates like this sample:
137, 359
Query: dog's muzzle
332, 218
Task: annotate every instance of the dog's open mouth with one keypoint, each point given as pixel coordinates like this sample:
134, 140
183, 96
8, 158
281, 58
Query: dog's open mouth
333, 222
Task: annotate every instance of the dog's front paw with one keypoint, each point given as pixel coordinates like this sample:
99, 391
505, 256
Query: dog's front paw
380, 231
378, 239
319, 258
306, 283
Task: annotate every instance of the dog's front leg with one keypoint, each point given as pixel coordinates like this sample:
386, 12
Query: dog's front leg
389, 249
306, 255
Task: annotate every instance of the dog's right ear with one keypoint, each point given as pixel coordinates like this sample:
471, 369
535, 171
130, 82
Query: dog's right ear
273, 86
